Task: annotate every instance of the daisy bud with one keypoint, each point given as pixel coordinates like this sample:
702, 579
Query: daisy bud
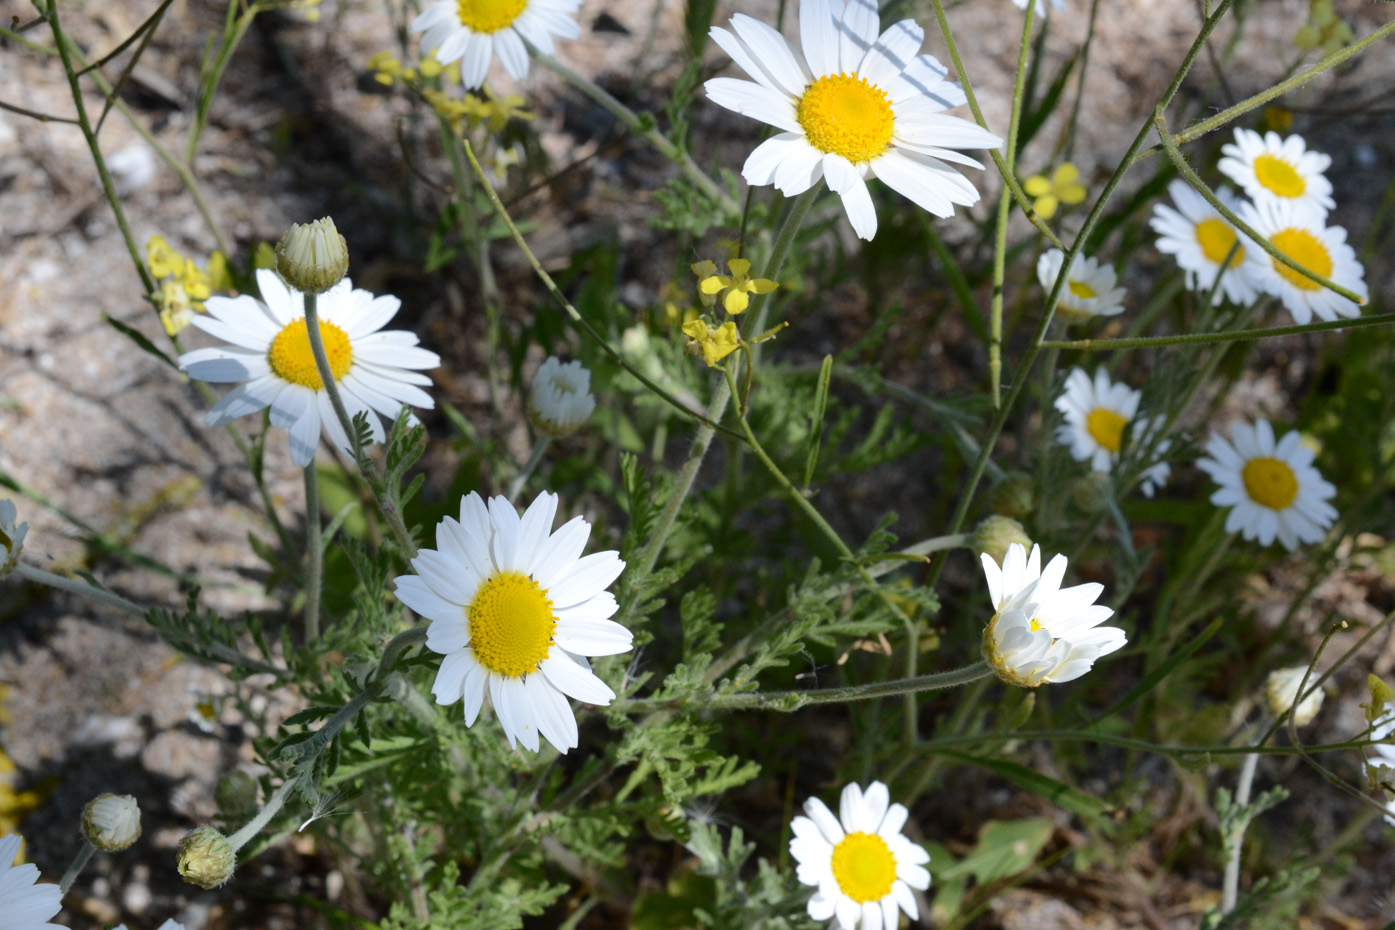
11, 537
1093, 492
206, 858
111, 822
236, 794
1282, 687
561, 401
993, 536
1015, 496
314, 257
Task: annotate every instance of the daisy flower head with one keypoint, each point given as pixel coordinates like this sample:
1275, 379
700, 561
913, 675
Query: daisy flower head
862, 865
515, 609
11, 536
1272, 168
1040, 632
1090, 289
1281, 688
473, 31
851, 105
561, 400
1097, 411
1272, 487
1201, 240
1303, 235
24, 904
376, 372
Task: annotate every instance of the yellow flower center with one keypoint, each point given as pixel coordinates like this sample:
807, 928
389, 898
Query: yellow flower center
845, 115
1279, 176
1308, 251
511, 624
488, 15
864, 867
1270, 482
291, 358
1082, 290
1106, 427
1216, 239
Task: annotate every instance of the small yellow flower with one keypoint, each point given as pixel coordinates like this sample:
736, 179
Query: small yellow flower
1063, 188
715, 344
739, 286
176, 309
387, 68
503, 109
1278, 119
163, 259
219, 274
430, 67
195, 283
704, 270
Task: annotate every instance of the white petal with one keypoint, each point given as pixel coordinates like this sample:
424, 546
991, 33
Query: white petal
857, 33
818, 35
893, 53
753, 100
574, 681
844, 180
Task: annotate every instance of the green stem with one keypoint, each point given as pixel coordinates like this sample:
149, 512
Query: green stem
539, 450
79, 587
1239, 335
314, 553
273, 807
79, 863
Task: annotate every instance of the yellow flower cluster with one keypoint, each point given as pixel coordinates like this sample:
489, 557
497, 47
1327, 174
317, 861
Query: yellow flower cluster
1324, 30
716, 343
184, 285
473, 110
1063, 187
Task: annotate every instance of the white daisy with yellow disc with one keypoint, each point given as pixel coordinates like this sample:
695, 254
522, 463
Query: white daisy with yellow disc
1303, 235
1097, 412
1091, 288
1273, 168
862, 865
474, 31
1272, 488
1202, 242
25, 902
376, 372
1042, 633
852, 105
515, 608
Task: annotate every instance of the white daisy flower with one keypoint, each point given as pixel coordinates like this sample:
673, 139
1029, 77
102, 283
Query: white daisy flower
1097, 412
24, 904
11, 536
1303, 235
1384, 762
1201, 239
851, 106
1281, 687
1090, 290
561, 400
514, 608
1273, 488
271, 352
473, 31
1042, 633
862, 865
1273, 169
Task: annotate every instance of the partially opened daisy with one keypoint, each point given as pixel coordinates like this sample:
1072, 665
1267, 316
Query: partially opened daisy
1042, 633
1303, 235
1090, 289
1097, 411
376, 372
852, 106
515, 608
561, 400
862, 865
473, 31
12, 534
1272, 487
1275, 169
24, 904
1201, 240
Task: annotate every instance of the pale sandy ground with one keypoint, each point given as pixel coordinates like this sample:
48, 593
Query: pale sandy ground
98, 427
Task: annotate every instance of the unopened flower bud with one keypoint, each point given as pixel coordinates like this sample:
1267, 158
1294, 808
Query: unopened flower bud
994, 534
1015, 496
561, 401
314, 257
206, 858
11, 537
1282, 687
1093, 492
236, 794
111, 822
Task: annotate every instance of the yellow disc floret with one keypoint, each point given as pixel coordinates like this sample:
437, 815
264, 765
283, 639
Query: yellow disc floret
1270, 482
511, 624
1216, 239
1307, 250
1106, 427
1279, 176
864, 867
1082, 290
845, 115
290, 356
489, 15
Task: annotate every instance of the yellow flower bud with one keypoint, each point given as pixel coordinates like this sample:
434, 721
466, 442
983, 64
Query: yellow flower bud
206, 858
